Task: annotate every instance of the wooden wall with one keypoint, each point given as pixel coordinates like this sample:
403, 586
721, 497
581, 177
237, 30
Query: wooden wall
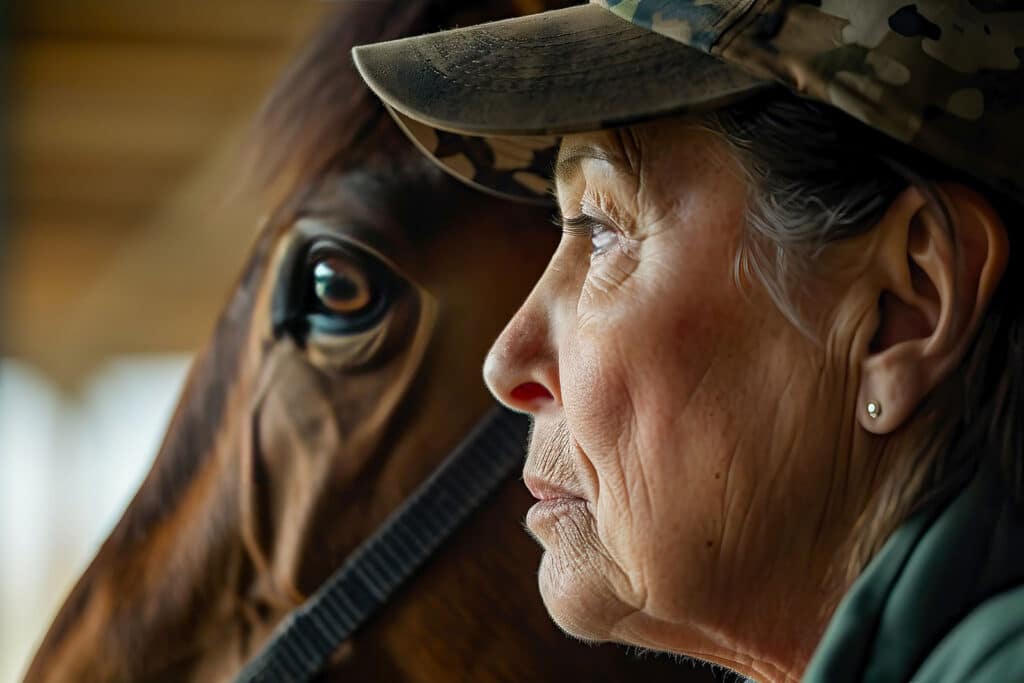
124, 124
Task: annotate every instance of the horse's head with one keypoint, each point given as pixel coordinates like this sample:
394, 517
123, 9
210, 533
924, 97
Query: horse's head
381, 296
344, 367
384, 283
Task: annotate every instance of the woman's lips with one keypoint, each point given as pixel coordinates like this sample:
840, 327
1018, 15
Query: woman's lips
553, 503
545, 514
544, 490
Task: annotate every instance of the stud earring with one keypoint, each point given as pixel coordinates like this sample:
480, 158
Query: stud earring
874, 409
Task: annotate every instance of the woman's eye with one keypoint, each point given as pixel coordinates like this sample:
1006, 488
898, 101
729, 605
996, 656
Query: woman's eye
601, 239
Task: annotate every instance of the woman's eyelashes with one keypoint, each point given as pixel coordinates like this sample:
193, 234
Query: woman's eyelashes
608, 242
602, 237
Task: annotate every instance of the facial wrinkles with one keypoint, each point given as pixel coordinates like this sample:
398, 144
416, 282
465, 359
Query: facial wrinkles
555, 457
624, 503
658, 208
769, 426
581, 555
838, 489
597, 202
703, 393
585, 375
765, 555
641, 211
627, 480
606, 288
819, 476
551, 455
628, 504
605, 213
665, 190
605, 294
637, 499
720, 553
840, 376
618, 395
611, 197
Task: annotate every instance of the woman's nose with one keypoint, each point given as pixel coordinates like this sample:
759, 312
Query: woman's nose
521, 369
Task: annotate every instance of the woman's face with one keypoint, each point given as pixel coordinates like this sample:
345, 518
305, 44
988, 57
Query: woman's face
685, 435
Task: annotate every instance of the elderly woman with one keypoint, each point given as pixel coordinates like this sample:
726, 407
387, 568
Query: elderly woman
775, 365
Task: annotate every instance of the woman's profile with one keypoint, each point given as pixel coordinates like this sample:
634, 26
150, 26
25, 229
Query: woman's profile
775, 365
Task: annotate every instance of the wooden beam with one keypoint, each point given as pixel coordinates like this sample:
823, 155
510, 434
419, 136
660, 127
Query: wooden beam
122, 157
194, 21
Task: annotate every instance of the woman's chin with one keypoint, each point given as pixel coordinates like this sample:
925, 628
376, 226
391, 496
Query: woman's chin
577, 600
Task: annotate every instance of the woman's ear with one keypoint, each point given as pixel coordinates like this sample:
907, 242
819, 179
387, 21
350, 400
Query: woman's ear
937, 275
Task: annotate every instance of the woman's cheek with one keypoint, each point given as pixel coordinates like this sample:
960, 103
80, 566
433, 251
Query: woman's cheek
596, 386
607, 283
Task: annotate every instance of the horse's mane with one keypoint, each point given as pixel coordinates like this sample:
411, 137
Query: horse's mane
320, 111
318, 116
314, 118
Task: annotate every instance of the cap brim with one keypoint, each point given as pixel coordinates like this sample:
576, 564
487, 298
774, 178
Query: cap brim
564, 71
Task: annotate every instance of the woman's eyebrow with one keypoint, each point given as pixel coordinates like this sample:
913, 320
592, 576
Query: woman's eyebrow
570, 160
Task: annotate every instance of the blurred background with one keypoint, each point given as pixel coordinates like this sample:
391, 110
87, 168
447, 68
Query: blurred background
123, 231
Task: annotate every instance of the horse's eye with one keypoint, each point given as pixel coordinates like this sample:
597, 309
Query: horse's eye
340, 287
347, 291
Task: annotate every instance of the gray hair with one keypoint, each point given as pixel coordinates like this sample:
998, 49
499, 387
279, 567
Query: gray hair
818, 177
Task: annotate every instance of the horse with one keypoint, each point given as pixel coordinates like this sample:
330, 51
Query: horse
343, 368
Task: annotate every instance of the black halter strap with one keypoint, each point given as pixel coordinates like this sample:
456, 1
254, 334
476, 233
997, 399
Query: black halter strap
306, 638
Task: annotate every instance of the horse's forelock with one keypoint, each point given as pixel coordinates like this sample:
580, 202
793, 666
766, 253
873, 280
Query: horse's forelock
317, 116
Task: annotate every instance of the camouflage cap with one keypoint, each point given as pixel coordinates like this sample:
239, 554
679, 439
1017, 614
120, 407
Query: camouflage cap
489, 102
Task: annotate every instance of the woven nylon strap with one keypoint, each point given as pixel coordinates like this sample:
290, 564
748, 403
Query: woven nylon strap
306, 638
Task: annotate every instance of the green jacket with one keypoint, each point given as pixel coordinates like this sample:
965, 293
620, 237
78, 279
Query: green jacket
943, 602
